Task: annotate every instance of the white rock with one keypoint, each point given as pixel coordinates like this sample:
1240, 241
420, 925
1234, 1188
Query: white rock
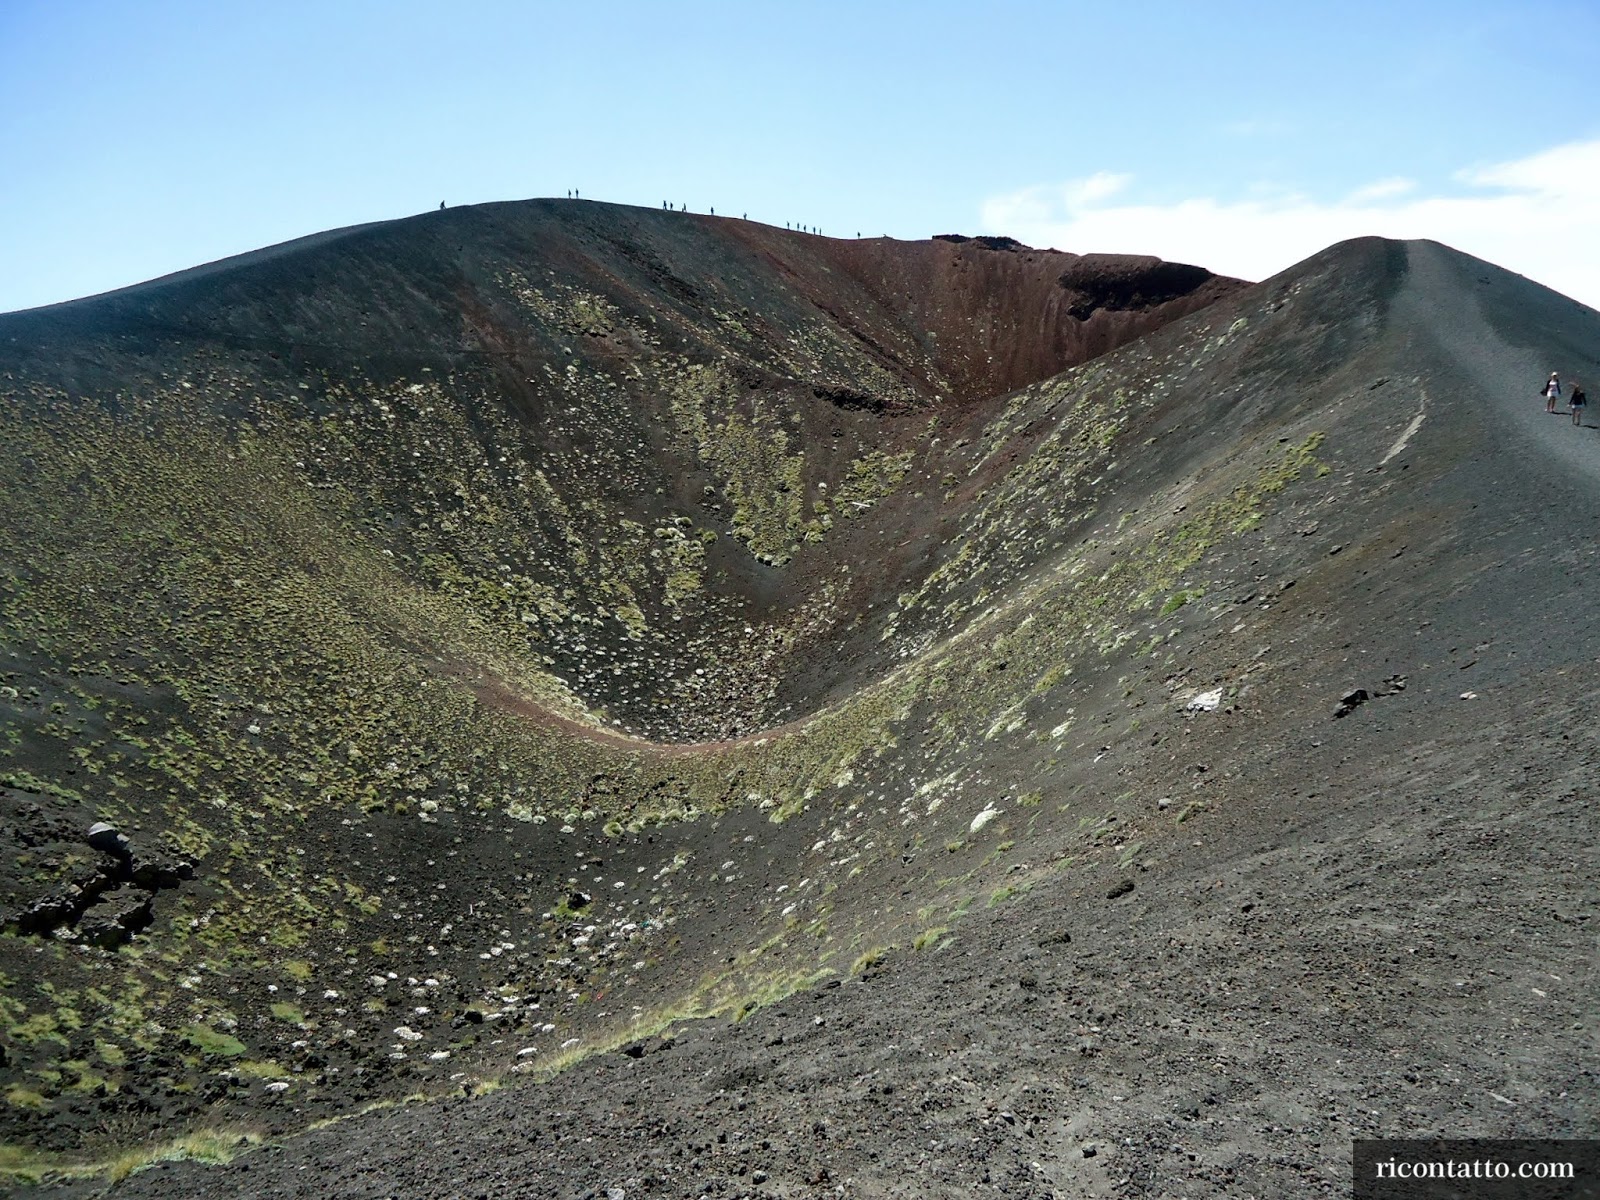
1206, 701
983, 818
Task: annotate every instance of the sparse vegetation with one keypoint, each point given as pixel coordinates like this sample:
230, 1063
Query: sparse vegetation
868, 959
1179, 598
208, 1041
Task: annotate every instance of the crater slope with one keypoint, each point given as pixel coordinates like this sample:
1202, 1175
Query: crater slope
602, 429
505, 635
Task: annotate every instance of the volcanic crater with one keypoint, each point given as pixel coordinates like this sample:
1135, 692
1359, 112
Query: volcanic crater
579, 700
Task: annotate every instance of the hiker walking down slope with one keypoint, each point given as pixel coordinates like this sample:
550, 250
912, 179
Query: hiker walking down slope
1578, 402
1552, 392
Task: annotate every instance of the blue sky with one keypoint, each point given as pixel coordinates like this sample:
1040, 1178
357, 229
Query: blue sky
143, 137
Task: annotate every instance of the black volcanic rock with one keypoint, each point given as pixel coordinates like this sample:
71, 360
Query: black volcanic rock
115, 916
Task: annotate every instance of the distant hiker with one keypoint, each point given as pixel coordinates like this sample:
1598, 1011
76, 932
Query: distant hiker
441, 206
1552, 392
575, 195
1577, 403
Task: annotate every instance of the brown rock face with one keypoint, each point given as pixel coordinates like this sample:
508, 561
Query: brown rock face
989, 314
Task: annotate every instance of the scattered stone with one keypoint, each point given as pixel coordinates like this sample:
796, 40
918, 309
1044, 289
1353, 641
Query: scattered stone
1122, 889
1205, 701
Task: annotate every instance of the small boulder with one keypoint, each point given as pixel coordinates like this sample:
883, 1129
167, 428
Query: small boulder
107, 839
116, 917
156, 871
1351, 701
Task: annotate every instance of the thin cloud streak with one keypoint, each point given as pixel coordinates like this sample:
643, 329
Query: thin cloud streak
1539, 216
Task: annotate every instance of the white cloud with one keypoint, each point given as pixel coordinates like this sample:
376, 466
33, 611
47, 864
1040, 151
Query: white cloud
1383, 189
1100, 186
1539, 216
